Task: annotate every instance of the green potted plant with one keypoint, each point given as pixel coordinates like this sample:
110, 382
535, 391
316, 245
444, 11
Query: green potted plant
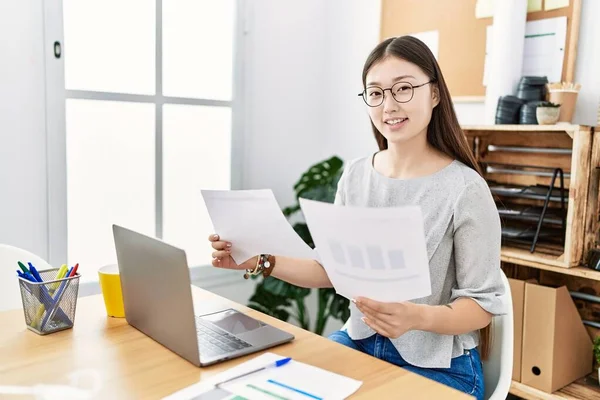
547, 113
283, 300
597, 354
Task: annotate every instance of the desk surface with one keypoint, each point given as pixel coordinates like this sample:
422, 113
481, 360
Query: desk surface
134, 366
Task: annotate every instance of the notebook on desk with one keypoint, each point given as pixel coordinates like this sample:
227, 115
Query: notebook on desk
157, 297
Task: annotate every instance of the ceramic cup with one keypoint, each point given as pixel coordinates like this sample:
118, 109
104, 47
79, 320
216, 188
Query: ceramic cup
110, 284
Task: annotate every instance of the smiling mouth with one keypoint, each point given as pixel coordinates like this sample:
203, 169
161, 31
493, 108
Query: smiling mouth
396, 121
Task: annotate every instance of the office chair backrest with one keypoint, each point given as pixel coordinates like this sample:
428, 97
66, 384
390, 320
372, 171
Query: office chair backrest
497, 369
10, 294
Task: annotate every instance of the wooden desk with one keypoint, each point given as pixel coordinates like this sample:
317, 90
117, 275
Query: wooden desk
133, 366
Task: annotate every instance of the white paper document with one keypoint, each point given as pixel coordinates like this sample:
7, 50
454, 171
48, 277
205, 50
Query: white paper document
378, 253
253, 222
543, 52
293, 381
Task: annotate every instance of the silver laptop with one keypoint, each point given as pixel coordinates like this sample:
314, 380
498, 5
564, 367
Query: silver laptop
157, 296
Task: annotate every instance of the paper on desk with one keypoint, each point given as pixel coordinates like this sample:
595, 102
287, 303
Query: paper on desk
253, 222
378, 253
319, 383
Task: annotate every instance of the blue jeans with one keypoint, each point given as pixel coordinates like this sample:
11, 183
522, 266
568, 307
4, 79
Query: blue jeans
465, 372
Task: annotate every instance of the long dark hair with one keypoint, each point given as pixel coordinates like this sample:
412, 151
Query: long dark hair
444, 132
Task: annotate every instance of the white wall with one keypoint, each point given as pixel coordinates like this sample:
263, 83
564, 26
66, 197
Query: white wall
353, 31
23, 214
284, 73
472, 113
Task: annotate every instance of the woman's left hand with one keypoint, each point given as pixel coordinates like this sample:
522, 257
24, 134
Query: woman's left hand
389, 319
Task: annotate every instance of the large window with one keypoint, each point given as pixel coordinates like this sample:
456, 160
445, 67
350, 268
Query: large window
149, 120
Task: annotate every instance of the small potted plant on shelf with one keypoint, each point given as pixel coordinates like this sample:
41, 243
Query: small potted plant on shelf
547, 113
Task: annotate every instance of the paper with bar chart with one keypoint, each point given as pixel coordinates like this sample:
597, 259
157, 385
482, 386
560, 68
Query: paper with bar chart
379, 253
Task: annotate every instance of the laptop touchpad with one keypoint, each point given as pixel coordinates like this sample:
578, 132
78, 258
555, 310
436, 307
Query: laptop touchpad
233, 322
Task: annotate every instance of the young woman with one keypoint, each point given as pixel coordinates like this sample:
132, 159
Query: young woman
424, 160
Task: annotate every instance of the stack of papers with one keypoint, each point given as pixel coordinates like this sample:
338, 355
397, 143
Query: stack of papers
293, 381
378, 253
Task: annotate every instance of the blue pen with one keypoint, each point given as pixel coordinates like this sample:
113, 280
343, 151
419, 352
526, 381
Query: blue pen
34, 272
27, 276
22, 275
312, 396
275, 364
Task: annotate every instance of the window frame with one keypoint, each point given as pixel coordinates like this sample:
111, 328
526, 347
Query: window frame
57, 94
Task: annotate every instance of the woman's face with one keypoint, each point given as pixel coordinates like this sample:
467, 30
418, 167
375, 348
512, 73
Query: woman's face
404, 118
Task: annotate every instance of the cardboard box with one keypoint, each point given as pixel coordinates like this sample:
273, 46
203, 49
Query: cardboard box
517, 290
556, 348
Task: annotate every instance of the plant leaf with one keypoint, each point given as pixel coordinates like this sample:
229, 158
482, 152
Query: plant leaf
321, 174
269, 303
288, 211
302, 230
339, 308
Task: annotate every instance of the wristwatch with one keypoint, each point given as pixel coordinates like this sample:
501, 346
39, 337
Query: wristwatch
264, 265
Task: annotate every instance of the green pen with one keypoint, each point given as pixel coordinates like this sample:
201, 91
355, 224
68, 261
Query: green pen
23, 267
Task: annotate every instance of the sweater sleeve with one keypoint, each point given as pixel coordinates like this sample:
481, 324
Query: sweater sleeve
477, 243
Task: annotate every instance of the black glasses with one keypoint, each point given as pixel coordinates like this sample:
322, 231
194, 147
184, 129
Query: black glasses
402, 92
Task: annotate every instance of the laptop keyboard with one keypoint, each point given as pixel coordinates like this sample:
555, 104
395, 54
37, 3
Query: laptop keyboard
214, 341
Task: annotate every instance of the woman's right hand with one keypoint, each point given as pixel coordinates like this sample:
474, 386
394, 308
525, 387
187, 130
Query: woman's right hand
222, 255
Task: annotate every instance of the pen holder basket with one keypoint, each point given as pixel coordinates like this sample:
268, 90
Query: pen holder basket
49, 306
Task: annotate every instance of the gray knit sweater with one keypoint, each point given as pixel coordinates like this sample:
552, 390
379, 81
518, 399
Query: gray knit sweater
462, 231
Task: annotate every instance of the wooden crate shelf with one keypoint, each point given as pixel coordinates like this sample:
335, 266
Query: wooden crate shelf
568, 128
577, 162
515, 256
553, 264
592, 222
582, 389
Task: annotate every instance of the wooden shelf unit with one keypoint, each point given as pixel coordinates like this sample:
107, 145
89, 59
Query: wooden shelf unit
575, 138
570, 129
583, 216
511, 256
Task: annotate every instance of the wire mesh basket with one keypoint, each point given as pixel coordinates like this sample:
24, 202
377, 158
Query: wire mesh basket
49, 306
